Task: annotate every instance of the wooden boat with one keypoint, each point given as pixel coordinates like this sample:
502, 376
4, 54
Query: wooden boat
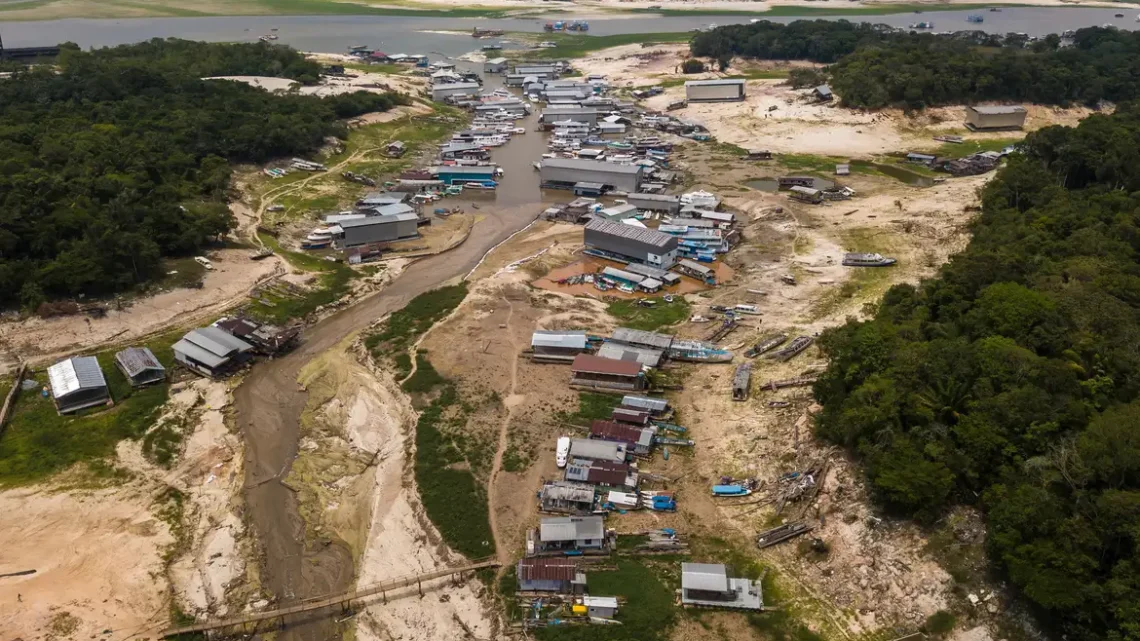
734, 489
795, 347
766, 345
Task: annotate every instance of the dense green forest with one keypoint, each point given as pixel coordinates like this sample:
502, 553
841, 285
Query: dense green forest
872, 66
1011, 380
119, 157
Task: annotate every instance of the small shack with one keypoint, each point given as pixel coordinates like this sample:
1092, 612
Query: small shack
600, 607
843, 169
594, 372
806, 194
140, 366
566, 497
708, 585
637, 440
495, 65
558, 346
77, 383
822, 93
693, 269
396, 149
552, 574
741, 382
211, 351
655, 406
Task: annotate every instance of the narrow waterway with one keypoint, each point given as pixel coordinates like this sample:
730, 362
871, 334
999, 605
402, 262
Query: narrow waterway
269, 401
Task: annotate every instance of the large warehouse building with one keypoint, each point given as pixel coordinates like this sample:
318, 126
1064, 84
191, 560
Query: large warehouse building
564, 173
634, 244
374, 229
1000, 117
714, 90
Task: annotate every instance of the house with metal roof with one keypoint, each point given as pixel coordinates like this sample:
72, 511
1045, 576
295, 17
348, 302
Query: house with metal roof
375, 229
564, 173
996, 117
630, 244
441, 91
638, 440
642, 338
619, 476
696, 270
719, 90
267, 339
708, 585
656, 202
550, 574
618, 213
211, 351
551, 115
600, 607
822, 93
558, 345
495, 65
593, 372
655, 406
644, 356
140, 366
631, 416
560, 534
594, 450
567, 497
77, 383
666, 278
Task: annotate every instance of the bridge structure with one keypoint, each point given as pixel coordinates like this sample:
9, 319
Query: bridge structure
344, 600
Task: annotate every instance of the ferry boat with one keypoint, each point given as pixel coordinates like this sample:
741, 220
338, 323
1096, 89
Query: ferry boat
867, 260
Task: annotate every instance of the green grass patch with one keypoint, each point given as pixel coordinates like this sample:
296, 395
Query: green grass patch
39, 442
425, 379
648, 613
333, 283
661, 314
376, 67
577, 46
406, 325
455, 502
187, 273
402, 364
592, 407
866, 283
760, 74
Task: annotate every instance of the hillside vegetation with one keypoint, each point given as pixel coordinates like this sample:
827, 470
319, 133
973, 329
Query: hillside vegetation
1011, 380
873, 66
120, 157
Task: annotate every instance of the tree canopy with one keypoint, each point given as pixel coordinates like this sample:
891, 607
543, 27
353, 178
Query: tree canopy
874, 66
120, 156
1012, 380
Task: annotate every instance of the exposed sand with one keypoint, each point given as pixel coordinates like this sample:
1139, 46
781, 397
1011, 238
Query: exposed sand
234, 275
99, 554
610, 9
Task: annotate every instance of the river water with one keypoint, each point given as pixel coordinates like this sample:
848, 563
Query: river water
403, 34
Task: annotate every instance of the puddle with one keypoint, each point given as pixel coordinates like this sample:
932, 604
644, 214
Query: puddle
907, 176
764, 184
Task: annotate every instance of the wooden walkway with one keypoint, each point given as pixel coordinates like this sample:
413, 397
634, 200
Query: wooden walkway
343, 599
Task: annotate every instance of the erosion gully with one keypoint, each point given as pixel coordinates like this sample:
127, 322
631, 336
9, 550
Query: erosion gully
269, 401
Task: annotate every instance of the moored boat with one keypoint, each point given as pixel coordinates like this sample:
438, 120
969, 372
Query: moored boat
867, 260
766, 345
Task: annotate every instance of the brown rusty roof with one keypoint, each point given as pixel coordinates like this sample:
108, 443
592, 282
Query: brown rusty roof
630, 416
614, 431
547, 569
589, 364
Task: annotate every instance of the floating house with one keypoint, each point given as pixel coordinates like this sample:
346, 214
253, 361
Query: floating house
557, 345
559, 575
644, 356
140, 366
631, 244
495, 65
461, 174
655, 406
582, 449
567, 497
564, 173
593, 372
77, 383
638, 440
708, 585
604, 473
375, 229
714, 90
568, 534
703, 273
211, 351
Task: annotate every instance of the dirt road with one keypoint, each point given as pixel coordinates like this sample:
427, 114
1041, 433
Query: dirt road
269, 402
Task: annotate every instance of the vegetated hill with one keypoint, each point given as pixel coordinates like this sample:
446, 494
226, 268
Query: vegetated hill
121, 156
873, 66
1011, 380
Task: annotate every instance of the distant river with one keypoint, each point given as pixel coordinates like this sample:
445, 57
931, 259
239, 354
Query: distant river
401, 34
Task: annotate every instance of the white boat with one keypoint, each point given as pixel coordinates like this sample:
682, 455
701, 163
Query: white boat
518, 130
562, 451
546, 44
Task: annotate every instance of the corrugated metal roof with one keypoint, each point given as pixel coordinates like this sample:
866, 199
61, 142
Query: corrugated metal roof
591, 165
571, 528
645, 356
378, 220
722, 216
600, 602
547, 569
570, 339
136, 360
621, 274
195, 353
642, 337
628, 415
645, 402
714, 83
695, 266
590, 364
999, 110
614, 431
74, 374
662, 198
709, 577
597, 450
648, 236
216, 341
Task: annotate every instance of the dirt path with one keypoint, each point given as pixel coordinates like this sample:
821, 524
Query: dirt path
511, 401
